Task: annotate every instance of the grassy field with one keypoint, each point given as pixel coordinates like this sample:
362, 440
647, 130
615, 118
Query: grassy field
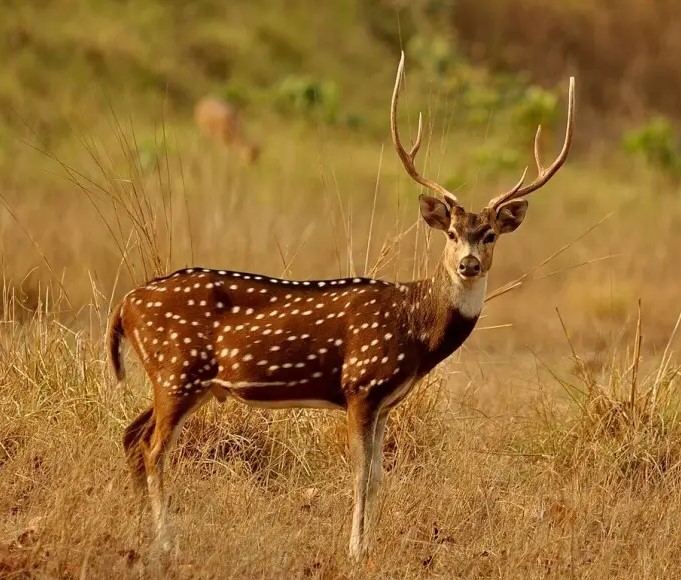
545, 447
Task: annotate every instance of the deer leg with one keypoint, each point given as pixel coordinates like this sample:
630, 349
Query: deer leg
140, 429
376, 470
362, 421
169, 419
153, 453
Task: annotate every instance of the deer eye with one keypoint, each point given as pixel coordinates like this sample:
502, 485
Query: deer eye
489, 238
451, 235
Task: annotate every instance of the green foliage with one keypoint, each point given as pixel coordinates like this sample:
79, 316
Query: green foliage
657, 143
354, 121
238, 93
456, 180
535, 107
309, 97
479, 101
600, 39
483, 94
435, 55
493, 160
380, 18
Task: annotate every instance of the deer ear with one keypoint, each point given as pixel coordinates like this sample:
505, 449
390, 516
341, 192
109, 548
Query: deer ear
435, 212
511, 215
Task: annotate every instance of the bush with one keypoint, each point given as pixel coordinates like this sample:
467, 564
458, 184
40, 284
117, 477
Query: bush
238, 94
479, 101
536, 107
354, 121
493, 160
656, 142
435, 55
309, 97
600, 40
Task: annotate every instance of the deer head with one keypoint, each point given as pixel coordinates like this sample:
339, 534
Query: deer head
471, 237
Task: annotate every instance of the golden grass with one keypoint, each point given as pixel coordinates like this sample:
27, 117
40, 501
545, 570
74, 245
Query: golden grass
490, 472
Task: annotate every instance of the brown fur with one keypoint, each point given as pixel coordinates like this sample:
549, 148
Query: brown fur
356, 344
221, 121
139, 430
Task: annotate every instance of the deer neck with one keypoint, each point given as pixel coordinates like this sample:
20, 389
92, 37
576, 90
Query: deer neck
446, 293
443, 311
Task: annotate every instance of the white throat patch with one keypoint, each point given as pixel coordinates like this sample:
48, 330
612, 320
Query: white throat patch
468, 297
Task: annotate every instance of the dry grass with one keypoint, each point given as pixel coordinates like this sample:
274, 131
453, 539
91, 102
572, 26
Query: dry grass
502, 466
491, 473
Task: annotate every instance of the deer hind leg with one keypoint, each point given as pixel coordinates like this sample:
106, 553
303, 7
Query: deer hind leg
169, 416
139, 430
362, 422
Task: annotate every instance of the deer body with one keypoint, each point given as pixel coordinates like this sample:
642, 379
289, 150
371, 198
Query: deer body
329, 341
221, 121
354, 344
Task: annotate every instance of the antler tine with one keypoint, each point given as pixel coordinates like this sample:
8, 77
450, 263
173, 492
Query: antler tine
518, 185
408, 158
417, 142
537, 150
544, 174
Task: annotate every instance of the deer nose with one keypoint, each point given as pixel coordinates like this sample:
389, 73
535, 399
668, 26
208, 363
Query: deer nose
469, 267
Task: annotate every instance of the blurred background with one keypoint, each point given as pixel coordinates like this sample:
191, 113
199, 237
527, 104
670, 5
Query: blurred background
110, 176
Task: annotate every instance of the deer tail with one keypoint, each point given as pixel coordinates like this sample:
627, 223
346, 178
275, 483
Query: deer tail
115, 334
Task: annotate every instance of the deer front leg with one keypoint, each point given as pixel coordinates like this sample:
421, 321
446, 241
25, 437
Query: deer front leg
362, 422
375, 471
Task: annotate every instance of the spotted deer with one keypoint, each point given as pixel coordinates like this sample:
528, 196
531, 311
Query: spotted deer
353, 344
221, 121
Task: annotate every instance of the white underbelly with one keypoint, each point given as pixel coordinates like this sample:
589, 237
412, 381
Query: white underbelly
221, 390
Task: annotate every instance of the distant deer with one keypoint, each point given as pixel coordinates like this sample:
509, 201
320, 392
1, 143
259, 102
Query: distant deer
354, 344
222, 122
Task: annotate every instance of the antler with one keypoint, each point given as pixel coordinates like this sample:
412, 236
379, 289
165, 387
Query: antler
408, 158
544, 174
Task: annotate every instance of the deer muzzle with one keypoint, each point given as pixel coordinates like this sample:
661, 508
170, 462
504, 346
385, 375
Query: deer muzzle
469, 267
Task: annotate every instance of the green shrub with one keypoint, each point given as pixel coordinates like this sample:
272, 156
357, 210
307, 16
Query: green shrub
237, 93
309, 97
535, 107
354, 121
493, 160
656, 142
455, 180
479, 101
435, 55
